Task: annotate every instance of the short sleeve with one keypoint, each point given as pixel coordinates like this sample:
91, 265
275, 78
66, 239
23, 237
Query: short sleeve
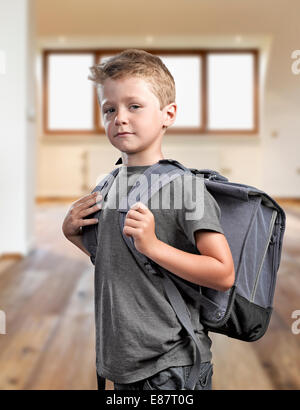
200, 210
89, 239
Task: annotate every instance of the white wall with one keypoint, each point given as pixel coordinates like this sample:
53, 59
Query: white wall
281, 154
17, 127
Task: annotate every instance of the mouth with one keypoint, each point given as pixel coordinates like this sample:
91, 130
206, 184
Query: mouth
123, 134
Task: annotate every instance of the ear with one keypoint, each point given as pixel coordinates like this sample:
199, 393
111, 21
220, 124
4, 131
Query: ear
170, 112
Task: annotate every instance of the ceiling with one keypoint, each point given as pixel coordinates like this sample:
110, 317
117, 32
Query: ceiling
164, 17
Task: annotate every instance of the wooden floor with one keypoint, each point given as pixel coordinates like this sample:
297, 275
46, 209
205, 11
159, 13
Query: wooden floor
48, 301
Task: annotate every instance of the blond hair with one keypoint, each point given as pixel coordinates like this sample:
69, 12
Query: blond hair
138, 63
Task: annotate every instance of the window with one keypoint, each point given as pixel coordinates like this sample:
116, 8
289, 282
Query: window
230, 88
70, 96
216, 91
186, 71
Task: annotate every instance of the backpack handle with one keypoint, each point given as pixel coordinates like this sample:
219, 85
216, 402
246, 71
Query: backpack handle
209, 174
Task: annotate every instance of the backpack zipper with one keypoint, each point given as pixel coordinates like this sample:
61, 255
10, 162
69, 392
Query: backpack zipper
273, 218
276, 252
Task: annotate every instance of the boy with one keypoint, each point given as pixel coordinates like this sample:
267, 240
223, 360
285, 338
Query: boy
140, 344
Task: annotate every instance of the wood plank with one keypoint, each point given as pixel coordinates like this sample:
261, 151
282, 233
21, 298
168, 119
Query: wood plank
278, 351
23, 351
236, 365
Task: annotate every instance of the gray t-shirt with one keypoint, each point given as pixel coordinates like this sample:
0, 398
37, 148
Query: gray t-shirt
137, 331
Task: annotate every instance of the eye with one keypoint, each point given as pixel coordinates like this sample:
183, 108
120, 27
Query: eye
108, 110
134, 105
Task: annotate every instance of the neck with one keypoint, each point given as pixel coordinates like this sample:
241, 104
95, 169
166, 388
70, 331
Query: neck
133, 160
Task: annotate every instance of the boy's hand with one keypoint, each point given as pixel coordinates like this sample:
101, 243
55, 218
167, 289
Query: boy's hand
140, 224
83, 207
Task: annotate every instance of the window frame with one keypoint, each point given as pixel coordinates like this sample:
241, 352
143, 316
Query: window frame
202, 53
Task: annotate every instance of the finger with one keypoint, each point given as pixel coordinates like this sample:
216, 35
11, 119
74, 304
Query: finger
91, 221
140, 207
134, 214
86, 197
90, 210
132, 223
128, 231
90, 201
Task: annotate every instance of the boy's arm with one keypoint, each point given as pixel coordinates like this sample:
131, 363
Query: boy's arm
75, 218
77, 240
214, 268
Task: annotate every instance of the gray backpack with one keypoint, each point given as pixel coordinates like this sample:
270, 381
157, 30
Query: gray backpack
253, 224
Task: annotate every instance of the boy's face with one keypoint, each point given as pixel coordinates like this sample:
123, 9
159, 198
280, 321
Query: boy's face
128, 105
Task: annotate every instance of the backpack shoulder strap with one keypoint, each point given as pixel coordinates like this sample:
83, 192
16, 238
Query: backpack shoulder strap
144, 189
90, 232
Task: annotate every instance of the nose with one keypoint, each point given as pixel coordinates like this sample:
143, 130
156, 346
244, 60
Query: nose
120, 117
